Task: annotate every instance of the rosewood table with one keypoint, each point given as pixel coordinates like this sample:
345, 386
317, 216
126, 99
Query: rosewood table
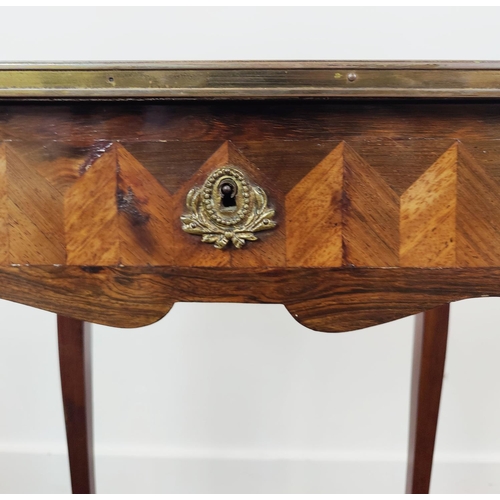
353, 193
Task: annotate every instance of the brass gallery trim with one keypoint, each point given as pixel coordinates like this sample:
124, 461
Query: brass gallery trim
250, 79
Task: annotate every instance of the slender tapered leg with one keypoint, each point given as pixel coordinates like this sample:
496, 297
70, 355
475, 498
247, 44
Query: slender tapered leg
429, 353
74, 361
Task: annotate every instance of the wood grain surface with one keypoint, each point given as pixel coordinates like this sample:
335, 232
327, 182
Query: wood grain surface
330, 300
383, 208
74, 341
429, 355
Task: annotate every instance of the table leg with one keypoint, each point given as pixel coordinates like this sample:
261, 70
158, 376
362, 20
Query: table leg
74, 361
429, 355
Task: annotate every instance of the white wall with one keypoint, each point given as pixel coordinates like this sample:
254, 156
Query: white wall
268, 406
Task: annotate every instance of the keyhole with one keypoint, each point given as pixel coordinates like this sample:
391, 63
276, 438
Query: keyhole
228, 192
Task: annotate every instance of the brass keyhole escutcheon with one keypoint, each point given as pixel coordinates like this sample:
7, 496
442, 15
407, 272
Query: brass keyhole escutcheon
227, 208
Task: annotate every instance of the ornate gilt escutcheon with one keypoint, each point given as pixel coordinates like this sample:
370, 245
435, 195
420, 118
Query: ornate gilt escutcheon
228, 207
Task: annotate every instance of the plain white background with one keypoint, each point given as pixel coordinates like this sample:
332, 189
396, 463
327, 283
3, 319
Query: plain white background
264, 405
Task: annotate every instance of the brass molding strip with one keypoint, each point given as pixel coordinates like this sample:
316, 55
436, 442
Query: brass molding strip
249, 79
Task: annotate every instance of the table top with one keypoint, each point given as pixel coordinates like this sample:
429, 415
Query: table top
127, 187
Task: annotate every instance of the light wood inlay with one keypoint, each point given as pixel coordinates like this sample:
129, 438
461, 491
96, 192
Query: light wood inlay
90, 209
188, 249
428, 216
314, 209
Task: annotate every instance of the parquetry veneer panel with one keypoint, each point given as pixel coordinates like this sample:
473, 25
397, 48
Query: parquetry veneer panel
370, 226
428, 216
342, 212
188, 250
478, 212
35, 215
315, 203
91, 212
145, 225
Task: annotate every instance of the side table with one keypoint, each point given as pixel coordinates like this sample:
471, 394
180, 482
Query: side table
353, 193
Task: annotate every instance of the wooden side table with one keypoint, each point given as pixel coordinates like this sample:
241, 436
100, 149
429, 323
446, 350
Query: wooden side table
353, 193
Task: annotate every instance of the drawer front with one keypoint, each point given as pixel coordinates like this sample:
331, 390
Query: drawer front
97, 199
